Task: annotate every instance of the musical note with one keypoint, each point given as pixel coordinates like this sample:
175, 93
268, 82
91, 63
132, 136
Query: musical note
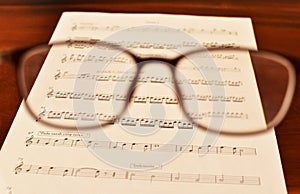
166, 124
81, 58
129, 121
79, 143
220, 178
131, 176
90, 172
147, 79
87, 172
109, 97
75, 95
104, 45
87, 96
234, 150
242, 180
190, 148
66, 172
171, 100
93, 27
87, 117
147, 122
104, 97
156, 100
238, 99
231, 115
61, 94
138, 122
211, 31
71, 116
147, 147
142, 99
55, 114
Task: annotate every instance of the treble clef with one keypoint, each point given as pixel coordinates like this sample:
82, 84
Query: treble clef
50, 92
57, 75
64, 59
42, 114
74, 27
29, 141
18, 169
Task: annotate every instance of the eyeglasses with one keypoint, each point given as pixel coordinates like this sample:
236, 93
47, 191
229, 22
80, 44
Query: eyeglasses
99, 84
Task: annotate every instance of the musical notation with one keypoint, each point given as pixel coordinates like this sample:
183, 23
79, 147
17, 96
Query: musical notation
151, 176
95, 59
86, 43
109, 97
95, 27
139, 99
231, 115
137, 122
145, 79
88, 58
144, 147
112, 119
210, 98
81, 58
214, 31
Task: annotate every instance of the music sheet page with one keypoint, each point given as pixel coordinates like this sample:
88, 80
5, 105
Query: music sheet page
100, 120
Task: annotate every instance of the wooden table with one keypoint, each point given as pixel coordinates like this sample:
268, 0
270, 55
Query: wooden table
276, 25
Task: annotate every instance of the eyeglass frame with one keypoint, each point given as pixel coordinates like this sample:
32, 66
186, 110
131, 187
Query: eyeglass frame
140, 62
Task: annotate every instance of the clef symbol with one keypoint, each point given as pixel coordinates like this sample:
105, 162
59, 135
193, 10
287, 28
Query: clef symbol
64, 59
50, 92
57, 75
42, 114
18, 169
29, 141
74, 27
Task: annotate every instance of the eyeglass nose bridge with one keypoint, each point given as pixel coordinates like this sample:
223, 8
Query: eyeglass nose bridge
142, 62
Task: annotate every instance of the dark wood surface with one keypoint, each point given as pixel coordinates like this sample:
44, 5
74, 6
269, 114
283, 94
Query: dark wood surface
276, 25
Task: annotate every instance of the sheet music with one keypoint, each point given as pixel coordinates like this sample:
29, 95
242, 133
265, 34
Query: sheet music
153, 148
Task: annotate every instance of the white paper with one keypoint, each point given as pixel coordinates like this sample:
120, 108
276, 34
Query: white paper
151, 149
